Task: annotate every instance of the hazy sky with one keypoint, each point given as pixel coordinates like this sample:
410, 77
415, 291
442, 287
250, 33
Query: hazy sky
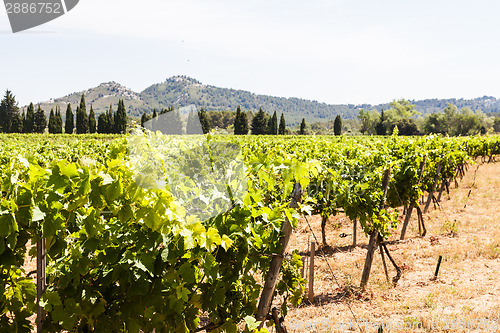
335, 51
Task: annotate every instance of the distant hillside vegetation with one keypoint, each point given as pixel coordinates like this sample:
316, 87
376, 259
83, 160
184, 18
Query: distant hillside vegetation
187, 93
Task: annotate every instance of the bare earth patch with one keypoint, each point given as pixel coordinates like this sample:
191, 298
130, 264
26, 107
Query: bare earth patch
465, 296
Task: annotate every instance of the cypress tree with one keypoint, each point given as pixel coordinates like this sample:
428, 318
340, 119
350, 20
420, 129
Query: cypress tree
259, 123
121, 118
70, 122
110, 120
58, 121
29, 121
92, 121
144, 119
380, 127
303, 127
40, 121
273, 124
282, 127
337, 125
269, 125
23, 119
244, 124
205, 124
102, 123
10, 117
82, 120
17, 124
52, 120
237, 121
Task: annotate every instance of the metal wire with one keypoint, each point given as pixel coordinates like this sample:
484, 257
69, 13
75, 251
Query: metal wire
331, 271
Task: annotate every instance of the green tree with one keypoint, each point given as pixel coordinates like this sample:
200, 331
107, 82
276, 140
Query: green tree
302, 127
110, 120
82, 120
144, 119
58, 121
244, 124
380, 128
496, 124
237, 121
92, 121
52, 120
282, 126
205, 124
29, 120
273, 124
435, 123
40, 121
69, 125
260, 123
337, 125
406, 127
467, 123
10, 117
121, 118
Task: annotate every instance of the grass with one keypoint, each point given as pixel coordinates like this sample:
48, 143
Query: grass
464, 230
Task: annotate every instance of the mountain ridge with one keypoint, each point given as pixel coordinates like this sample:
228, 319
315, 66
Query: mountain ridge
188, 94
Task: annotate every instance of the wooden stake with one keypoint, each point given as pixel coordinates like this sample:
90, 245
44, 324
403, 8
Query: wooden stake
277, 260
311, 273
421, 226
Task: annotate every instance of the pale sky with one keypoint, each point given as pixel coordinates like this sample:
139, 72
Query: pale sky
335, 51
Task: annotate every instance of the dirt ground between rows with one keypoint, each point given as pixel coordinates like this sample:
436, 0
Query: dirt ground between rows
465, 297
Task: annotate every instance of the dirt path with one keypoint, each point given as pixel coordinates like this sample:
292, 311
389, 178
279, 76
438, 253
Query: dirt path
466, 295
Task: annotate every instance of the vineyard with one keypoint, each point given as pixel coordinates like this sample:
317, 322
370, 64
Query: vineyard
122, 257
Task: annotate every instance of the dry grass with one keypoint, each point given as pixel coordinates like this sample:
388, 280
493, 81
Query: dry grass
464, 230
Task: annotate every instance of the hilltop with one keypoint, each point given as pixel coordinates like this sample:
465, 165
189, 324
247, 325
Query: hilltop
187, 93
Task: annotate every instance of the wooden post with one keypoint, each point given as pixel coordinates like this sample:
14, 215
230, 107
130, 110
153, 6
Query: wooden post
355, 232
421, 225
311, 273
431, 193
41, 252
277, 260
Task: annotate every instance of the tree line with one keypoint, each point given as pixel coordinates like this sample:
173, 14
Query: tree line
12, 120
450, 121
261, 123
